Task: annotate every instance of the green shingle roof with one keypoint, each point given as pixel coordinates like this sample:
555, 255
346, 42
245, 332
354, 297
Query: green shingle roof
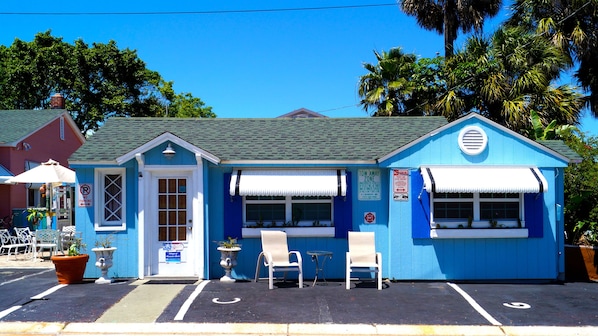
17, 124
560, 147
347, 139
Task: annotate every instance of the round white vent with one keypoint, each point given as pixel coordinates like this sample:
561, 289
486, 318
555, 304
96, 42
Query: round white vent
472, 140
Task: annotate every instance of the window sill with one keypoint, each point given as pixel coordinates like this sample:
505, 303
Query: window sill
291, 231
478, 233
121, 227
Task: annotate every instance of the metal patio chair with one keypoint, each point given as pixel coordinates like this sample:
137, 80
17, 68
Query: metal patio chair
46, 239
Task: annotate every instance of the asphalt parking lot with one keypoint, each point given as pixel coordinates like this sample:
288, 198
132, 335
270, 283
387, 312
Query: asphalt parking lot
33, 295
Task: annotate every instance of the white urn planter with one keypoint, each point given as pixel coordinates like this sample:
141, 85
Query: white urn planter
104, 257
228, 260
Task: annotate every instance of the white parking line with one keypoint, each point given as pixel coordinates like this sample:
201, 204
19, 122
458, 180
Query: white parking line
49, 291
475, 305
8, 311
185, 307
25, 277
41, 295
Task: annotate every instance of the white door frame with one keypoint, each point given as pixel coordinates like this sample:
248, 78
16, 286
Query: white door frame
195, 188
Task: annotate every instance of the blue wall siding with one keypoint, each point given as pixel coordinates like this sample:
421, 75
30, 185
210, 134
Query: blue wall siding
441, 259
251, 247
443, 149
125, 257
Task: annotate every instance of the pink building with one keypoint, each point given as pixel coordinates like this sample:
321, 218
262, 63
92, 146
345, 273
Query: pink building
28, 138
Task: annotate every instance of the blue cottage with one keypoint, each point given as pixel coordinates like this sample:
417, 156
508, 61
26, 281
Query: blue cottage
466, 200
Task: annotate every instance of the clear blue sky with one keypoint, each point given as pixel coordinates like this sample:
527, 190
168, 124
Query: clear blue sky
242, 61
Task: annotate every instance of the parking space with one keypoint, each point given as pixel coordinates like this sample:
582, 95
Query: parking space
566, 304
403, 303
33, 295
414, 303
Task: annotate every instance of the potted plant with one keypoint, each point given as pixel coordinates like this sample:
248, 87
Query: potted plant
228, 257
104, 252
70, 267
35, 215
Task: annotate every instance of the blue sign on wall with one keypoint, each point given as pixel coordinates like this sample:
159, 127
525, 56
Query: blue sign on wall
173, 257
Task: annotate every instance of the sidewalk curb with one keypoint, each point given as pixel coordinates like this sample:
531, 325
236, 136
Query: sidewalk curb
39, 328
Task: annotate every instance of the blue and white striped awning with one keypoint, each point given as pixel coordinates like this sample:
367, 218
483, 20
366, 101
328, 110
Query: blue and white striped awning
287, 182
453, 179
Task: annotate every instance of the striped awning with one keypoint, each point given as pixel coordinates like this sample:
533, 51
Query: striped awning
483, 179
285, 182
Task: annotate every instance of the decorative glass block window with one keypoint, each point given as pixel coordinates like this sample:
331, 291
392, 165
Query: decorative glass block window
476, 210
110, 192
279, 211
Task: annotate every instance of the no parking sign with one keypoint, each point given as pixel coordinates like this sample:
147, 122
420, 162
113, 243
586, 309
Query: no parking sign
369, 217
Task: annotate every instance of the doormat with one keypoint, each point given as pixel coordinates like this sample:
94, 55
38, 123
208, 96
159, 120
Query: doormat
170, 282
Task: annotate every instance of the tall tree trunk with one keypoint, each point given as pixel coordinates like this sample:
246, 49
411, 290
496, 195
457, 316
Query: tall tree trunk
450, 22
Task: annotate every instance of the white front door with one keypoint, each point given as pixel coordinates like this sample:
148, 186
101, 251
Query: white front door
171, 236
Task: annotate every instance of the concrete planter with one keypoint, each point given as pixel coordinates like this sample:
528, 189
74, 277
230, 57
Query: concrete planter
104, 256
228, 260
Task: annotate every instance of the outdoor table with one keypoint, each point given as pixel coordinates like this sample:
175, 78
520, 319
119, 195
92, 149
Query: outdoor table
315, 257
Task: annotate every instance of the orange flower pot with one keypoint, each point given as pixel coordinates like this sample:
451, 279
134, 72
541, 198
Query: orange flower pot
70, 269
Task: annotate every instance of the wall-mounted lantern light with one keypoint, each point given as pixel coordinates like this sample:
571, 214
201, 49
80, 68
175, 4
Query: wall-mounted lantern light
168, 152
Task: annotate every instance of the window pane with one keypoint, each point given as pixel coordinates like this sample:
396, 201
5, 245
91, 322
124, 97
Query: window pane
113, 197
499, 210
312, 212
453, 210
264, 212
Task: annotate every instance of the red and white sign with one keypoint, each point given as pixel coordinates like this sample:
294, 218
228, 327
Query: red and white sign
369, 217
400, 184
85, 195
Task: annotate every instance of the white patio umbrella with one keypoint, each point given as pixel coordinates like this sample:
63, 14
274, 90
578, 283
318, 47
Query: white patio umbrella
47, 172
50, 173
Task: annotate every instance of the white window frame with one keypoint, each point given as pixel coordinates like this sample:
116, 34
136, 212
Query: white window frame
477, 221
100, 222
304, 228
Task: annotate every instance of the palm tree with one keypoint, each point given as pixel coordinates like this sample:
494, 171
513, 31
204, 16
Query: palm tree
571, 25
448, 16
387, 85
506, 77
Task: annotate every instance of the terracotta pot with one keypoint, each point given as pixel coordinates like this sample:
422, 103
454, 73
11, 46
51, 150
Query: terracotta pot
70, 269
581, 263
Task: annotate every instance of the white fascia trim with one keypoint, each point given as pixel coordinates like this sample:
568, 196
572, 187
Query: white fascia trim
73, 164
483, 119
74, 126
298, 162
163, 138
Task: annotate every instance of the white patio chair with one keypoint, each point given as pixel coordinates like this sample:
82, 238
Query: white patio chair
67, 235
277, 257
46, 239
6, 241
23, 240
362, 256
